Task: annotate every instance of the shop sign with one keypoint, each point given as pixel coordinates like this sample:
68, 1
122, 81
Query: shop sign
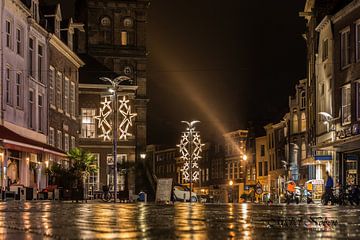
323, 157
348, 131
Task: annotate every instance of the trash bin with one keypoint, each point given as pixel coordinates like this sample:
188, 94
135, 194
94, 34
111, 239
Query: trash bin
56, 194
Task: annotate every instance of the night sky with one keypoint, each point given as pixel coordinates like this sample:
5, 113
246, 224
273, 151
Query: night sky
224, 63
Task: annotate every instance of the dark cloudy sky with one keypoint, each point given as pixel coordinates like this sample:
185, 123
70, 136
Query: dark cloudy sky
224, 63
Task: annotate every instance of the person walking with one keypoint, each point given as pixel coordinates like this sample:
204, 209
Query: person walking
329, 188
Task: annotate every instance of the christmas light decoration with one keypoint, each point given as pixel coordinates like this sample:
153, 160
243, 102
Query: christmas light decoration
104, 118
190, 149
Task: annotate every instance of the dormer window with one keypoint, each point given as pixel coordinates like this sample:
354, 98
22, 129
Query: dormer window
35, 10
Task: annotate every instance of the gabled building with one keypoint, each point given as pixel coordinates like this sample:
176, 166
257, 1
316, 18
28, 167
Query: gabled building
24, 152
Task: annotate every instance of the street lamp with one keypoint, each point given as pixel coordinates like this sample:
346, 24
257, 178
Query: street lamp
190, 149
231, 183
125, 110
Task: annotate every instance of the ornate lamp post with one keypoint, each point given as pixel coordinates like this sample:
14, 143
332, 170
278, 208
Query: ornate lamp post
190, 149
104, 125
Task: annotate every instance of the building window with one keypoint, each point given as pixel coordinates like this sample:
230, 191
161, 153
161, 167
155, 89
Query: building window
345, 48
59, 139
94, 177
295, 123
260, 169
124, 38
265, 168
59, 90
8, 86
31, 57
72, 145
19, 90
40, 112
72, 99
303, 122
66, 95
262, 150
8, 34
88, 127
303, 150
31, 109
66, 142
357, 41
325, 49
346, 104
19, 49
302, 99
40, 63
358, 100
52, 92
51, 136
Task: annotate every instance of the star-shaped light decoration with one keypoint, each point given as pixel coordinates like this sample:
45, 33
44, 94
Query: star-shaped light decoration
190, 138
125, 111
103, 118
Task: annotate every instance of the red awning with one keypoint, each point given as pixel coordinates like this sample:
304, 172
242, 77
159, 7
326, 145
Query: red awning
14, 141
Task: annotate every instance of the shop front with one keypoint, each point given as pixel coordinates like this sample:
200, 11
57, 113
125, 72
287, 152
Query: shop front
24, 162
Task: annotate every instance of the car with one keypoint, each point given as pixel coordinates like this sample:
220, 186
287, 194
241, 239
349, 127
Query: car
182, 192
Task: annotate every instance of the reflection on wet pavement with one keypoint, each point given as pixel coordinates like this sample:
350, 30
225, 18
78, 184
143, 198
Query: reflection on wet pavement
45, 220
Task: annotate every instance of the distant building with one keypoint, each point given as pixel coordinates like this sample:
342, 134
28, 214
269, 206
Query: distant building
235, 162
298, 130
262, 163
276, 155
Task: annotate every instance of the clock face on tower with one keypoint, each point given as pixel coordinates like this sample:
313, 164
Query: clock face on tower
105, 21
128, 22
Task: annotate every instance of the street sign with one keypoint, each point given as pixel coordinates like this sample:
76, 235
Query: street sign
258, 189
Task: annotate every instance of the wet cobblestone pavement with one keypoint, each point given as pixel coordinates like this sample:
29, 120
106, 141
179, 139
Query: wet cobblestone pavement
46, 220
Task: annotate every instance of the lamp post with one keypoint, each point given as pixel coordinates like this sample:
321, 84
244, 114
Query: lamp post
190, 149
115, 83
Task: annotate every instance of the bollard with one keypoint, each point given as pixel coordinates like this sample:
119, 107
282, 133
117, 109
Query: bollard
145, 198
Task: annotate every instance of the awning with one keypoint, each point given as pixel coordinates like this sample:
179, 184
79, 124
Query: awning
12, 140
312, 161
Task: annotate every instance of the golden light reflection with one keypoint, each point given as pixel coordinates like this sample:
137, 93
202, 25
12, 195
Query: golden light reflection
190, 221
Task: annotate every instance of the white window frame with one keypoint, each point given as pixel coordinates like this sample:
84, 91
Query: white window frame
19, 90
88, 123
52, 87
40, 63
357, 84
8, 90
31, 109
66, 142
303, 122
73, 142
96, 175
40, 113
59, 139
31, 56
8, 33
51, 136
345, 50
72, 98
66, 95
295, 127
357, 39
346, 104
325, 50
19, 45
59, 90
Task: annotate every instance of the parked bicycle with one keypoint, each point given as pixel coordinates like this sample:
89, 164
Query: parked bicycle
106, 196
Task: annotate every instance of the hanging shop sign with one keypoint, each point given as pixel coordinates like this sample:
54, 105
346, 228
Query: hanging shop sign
348, 131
